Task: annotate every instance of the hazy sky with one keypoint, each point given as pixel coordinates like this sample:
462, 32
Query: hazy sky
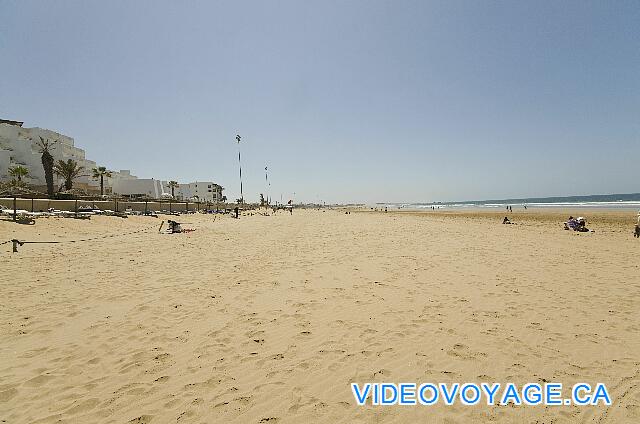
342, 100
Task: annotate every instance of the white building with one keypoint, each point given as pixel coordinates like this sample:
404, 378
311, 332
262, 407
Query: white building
139, 187
125, 184
18, 146
202, 191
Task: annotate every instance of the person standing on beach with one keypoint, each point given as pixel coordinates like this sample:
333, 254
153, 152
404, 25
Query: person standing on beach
637, 231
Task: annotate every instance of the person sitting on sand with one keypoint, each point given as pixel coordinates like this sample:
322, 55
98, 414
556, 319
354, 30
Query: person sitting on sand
579, 224
506, 220
582, 225
571, 224
174, 227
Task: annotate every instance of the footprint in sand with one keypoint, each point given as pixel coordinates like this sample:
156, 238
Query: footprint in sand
39, 381
142, 419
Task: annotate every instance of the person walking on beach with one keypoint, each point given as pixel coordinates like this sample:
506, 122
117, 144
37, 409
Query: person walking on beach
637, 231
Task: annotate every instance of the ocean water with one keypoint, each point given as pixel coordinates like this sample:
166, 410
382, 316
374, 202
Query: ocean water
605, 201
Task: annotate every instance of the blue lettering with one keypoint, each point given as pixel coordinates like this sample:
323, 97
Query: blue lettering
490, 391
534, 398
385, 389
449, 396
601, 392
511, 394
361, 398
376, 394
581, 387
463, 394
407, 394
422, 399
553, 393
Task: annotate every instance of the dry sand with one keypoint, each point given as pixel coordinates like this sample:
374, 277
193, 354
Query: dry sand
268, 319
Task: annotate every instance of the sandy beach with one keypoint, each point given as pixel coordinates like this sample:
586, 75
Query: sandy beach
269, 319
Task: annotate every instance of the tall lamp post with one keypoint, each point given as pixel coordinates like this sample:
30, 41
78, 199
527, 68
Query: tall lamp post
267, 183
240, 166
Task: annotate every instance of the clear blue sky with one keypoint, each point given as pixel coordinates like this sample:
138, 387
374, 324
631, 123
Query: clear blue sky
342, 100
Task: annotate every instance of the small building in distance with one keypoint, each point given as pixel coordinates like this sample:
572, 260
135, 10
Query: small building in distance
125, 184
199, 191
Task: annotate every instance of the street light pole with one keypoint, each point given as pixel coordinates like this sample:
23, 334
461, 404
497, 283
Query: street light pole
266, 180
240, 166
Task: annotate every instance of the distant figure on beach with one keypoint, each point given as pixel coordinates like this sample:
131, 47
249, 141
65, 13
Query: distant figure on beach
637, 231
236, 211
385, 208
506, 220
576, 224
174, 227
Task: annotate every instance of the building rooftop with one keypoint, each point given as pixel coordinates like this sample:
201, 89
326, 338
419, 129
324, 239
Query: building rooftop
10, 122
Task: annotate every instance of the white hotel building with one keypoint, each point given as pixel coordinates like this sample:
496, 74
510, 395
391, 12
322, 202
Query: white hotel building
18, 146
202, 191
199, 191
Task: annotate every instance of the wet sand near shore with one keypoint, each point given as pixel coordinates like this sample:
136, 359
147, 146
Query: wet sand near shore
269, 319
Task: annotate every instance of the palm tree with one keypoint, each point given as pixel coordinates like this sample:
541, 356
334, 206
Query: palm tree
173, 185
101, 172
44, 147
69, 170
18, 172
